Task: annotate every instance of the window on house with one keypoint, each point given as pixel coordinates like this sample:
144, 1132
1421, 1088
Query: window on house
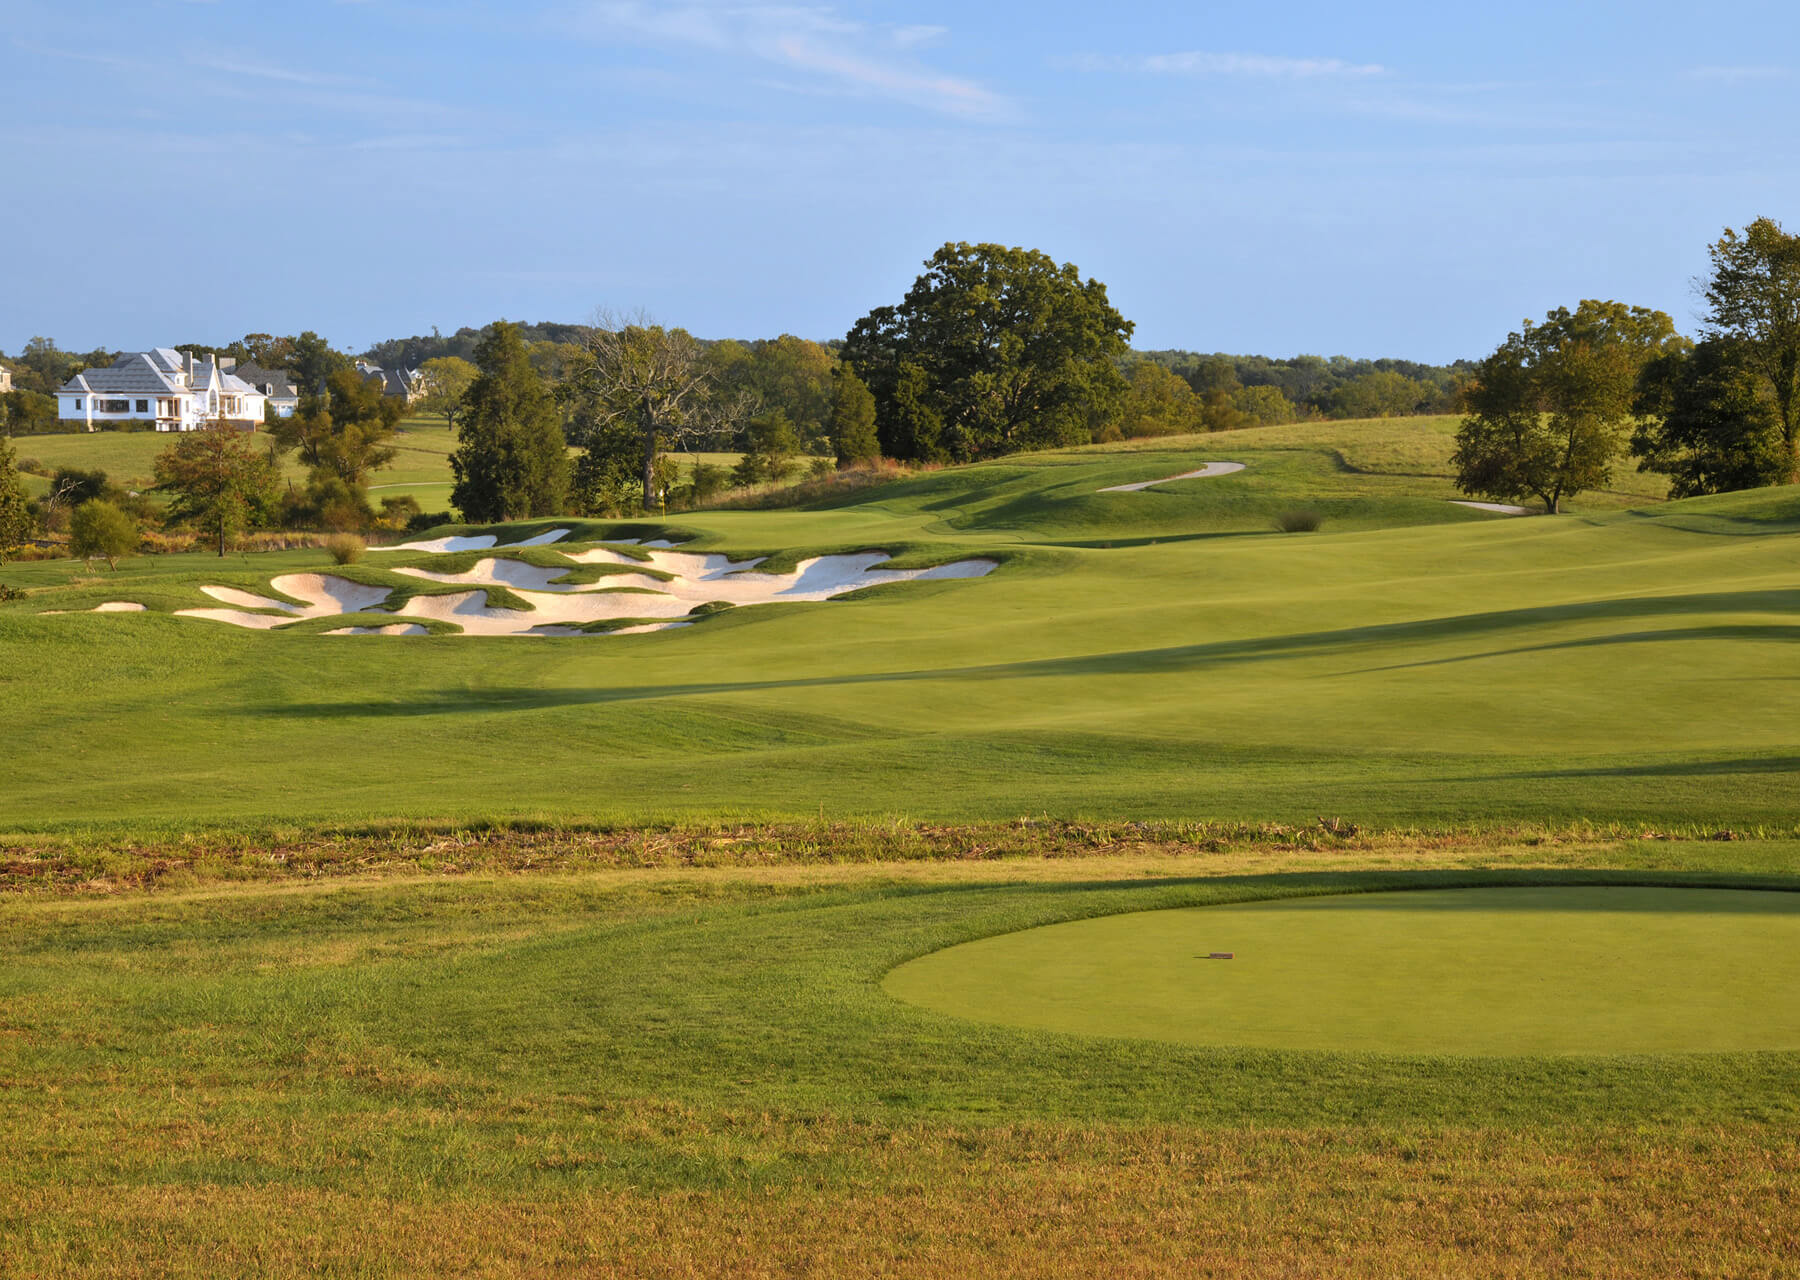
113, 406
143, 406
78, 404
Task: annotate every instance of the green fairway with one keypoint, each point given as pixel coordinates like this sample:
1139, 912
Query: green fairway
1158, 654
1491, 971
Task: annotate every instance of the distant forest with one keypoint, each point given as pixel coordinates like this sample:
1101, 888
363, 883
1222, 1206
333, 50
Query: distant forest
793, 375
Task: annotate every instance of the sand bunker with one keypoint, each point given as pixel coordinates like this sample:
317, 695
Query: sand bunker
396, 629
562, 609
325, 597
1504, 508
1210, 470
111, 606
479, 542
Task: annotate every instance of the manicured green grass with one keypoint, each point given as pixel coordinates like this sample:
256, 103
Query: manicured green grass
1492, 971
1160, 654
662, 1055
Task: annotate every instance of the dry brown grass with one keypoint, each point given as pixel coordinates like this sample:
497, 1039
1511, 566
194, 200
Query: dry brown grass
51, 865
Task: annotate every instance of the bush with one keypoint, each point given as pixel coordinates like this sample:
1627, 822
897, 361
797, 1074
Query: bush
398, 512
345, 548
429, 520
99, 529
1299, 521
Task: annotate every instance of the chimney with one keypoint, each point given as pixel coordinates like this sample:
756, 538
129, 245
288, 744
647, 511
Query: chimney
226, 363
189, 376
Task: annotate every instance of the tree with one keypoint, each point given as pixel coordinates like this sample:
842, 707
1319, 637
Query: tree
1157, 402
221, 481
992, 350
771, 444
25, 412
1709, 422
1753, 300
15, 505
447, 380
100, 529
850, 424
510, 461
312, 361
342, 431
1548, 409
1381, 393
1265, 406
647, 385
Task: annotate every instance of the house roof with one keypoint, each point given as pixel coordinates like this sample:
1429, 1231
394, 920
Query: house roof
129, 375
271, 382
151, 373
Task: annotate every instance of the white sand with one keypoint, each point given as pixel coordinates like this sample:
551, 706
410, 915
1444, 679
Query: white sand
1504, 508
479, 542
699, 579
326, 596
560, 609
118, 606
1210, 470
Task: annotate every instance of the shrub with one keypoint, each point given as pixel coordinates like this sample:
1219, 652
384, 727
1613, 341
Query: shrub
706, 482
345, 548
1299, 521
429, 520
100, 529
398, 512
10, 593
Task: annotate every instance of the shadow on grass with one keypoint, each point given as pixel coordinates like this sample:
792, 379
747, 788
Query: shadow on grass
1164, 660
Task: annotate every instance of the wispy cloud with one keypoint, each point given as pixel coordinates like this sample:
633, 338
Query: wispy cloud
814, 40
233, 65
1733, 75
1195, 62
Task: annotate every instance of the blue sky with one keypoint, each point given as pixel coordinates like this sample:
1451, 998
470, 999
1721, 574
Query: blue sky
1374, 179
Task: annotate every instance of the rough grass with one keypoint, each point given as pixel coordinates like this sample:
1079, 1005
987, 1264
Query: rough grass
694, 1071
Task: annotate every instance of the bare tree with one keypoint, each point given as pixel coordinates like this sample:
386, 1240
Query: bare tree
652, 380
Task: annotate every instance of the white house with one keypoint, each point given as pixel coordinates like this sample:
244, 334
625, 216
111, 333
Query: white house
5, 379
176, 392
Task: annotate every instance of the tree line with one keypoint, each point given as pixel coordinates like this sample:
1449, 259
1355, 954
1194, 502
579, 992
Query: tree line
1558, 404
993, 350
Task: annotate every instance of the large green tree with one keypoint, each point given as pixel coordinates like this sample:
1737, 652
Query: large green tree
1753, 301
1550, 409
510, 462
1157, 402
447, 380
221, 481
646, 388
26, 412
343, 430
992, 350
15, 505
312, 360
1708, 422
850, 422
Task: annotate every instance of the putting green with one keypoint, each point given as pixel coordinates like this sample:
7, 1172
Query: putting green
1464, 971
